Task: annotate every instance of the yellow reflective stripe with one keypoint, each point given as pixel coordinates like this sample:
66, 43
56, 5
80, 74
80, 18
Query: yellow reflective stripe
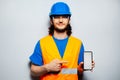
69, 71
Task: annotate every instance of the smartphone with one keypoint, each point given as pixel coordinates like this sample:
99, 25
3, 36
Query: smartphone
88, 57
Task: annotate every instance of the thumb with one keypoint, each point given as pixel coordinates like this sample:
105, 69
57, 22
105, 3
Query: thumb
80, 67
81, 64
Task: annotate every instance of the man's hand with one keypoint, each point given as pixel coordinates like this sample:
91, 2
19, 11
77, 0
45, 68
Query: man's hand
93, 65
54, 65
80, 67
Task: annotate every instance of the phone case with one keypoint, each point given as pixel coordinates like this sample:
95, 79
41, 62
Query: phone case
88, 57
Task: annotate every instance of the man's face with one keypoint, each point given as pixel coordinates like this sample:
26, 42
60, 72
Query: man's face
60, 22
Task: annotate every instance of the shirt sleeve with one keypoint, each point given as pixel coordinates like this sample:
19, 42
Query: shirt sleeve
81, 54
36, 57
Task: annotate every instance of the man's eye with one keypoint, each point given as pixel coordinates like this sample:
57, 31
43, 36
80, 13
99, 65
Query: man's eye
56, 16
64, 16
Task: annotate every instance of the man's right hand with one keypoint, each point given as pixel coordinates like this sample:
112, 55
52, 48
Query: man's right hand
54, 65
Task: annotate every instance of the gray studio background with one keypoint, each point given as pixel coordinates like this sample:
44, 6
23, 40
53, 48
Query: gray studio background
24, 22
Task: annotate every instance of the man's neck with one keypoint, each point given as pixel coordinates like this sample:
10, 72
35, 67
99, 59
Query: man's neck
58, 35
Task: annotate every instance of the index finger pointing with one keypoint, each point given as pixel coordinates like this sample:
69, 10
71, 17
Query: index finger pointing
63, 61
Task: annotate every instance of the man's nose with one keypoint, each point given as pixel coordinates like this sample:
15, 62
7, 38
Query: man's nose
61, 19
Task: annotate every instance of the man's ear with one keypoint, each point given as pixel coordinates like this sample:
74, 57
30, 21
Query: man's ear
69, 21
51, 22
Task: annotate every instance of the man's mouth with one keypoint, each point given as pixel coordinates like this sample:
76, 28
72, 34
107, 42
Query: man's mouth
60, 24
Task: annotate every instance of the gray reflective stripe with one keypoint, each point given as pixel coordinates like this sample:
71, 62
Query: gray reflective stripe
69, 71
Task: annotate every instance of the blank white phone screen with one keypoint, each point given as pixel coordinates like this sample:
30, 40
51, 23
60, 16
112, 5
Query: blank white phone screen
87, 60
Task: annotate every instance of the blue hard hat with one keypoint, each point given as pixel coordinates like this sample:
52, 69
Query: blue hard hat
60, 8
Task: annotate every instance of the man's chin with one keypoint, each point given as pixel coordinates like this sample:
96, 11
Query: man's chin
60, 30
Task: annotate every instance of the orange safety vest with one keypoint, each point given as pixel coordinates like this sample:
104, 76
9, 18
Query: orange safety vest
50, 52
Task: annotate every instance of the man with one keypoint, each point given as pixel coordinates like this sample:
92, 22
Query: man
58, 56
